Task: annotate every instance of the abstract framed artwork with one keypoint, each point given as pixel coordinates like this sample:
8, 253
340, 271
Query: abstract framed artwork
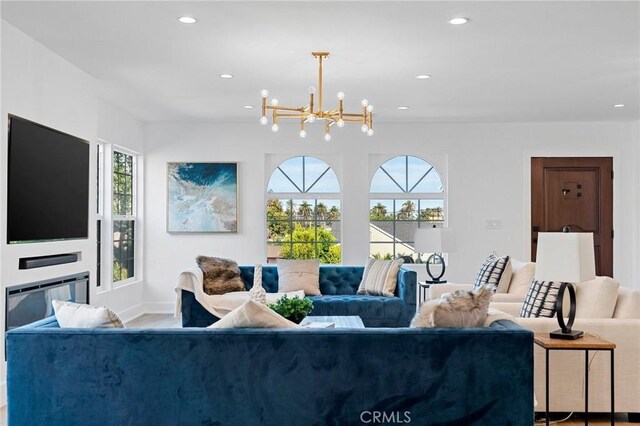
202, 197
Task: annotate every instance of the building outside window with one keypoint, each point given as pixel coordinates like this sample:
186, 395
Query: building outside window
407, 193
303, 211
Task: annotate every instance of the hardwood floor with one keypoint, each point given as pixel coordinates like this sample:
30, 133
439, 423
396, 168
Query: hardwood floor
168, 321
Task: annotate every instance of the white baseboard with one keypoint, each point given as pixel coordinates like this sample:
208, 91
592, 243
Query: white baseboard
159, 308
3, 394
132, 313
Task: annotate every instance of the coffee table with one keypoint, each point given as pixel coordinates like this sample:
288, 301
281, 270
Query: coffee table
339, 321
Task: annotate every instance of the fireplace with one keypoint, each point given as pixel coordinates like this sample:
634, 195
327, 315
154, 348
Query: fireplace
26, 303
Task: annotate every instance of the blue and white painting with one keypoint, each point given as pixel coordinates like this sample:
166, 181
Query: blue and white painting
202, 197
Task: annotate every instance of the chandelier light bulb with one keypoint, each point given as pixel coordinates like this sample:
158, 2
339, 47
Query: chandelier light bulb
370, 132
311, 118
303, 134
364, 103
340, 95
340, 123
274, 102
275, 128
264, 120
327, 137
312, 90
364, 128
264, 93
370, 108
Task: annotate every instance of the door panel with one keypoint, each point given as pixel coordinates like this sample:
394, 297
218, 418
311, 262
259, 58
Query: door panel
578, 193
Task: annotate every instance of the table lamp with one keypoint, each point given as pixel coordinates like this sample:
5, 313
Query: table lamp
436, 241
566, 258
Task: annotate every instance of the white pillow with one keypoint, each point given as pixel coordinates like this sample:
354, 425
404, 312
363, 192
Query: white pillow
253, 315
522, 274
380, 277
76, 315
596, 298
299, 275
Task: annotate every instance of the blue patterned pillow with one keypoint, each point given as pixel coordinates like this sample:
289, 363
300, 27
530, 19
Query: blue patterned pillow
491, 271
541, 300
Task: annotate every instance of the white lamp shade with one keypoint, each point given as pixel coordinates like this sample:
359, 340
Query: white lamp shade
434, 240
565, 257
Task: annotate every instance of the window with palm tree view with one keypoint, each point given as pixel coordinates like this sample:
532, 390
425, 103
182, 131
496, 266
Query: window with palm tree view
303, 211
407, 193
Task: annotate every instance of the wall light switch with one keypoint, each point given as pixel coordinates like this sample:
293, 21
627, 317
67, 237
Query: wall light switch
493, 224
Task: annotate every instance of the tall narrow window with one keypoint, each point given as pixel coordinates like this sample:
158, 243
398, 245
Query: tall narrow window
123, 216
303, 211
99, 210
406, 193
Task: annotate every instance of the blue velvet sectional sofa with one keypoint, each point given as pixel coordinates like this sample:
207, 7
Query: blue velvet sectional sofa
338, 285
280, 377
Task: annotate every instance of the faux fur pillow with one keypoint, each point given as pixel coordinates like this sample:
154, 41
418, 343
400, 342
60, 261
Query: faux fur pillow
460, 309
220, 275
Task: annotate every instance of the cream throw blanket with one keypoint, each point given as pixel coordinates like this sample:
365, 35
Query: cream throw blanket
217, 304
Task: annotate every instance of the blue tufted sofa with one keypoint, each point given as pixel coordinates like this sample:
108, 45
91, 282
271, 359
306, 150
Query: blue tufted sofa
279, 377
338, 285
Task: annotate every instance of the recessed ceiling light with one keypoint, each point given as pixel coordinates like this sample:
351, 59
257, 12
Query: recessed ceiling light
423, 76
403, 107
248, 107
458, 21
226, 76
187, 20
618, 105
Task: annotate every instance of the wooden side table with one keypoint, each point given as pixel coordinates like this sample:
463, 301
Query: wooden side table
586, 343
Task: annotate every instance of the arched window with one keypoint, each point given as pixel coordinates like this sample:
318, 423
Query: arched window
406, 193
303, 211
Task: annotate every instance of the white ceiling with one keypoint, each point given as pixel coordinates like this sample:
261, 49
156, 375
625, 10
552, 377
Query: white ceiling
515, 61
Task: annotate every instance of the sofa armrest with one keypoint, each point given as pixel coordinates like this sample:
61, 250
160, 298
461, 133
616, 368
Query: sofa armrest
437, 290
407, 286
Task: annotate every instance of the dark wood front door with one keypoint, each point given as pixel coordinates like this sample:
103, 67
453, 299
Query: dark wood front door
578, 193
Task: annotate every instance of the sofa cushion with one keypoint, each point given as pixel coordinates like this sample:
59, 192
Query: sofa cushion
375, 311
491, 271
219, 275
522, 273
628, 304
540, 300
596, 298
299, 275
252, 314
380, 277
77, 315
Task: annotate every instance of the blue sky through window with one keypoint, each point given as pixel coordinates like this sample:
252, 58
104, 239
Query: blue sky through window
317, 177
406, 174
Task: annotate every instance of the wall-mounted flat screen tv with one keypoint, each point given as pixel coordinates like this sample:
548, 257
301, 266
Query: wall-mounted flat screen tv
48, 184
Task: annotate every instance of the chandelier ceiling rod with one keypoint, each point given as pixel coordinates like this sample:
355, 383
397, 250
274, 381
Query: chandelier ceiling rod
307, 113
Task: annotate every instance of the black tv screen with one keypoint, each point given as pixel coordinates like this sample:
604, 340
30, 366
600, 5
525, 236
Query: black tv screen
48, 184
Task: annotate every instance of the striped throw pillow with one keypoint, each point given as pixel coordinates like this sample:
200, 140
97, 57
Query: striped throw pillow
541, 300
491, 271
380, 277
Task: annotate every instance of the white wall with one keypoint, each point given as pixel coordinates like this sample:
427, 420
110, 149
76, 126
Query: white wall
487, 171
40, 86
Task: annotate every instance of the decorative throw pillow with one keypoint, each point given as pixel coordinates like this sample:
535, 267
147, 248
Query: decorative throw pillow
253, 314
77, 315
299, 275
596, 298
541, 300
220, 275
460, 309
505, 279
521, 276
491, 271
380, 277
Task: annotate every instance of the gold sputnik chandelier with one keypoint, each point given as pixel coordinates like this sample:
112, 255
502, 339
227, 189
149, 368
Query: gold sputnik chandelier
312, 112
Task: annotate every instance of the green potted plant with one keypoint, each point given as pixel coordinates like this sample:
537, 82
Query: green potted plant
293, 308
